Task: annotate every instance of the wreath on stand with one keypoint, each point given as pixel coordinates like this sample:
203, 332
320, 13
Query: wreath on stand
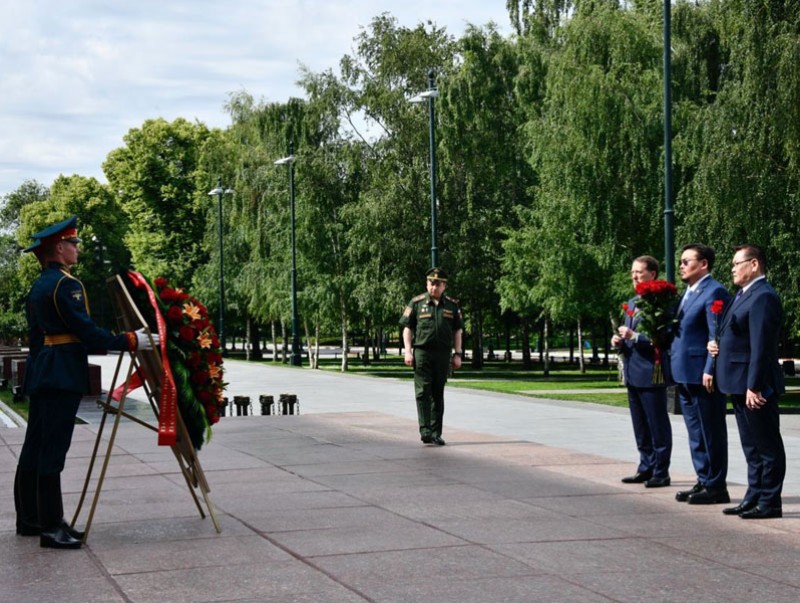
194, 354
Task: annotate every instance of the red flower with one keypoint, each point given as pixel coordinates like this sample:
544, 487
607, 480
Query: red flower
161, 282
717, 306
199, 377
175, 314
205, 397
169, 295
186, 333
656, 287
194, 360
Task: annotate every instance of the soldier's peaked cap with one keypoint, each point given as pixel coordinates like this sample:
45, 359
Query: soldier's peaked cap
66, 230
436, 274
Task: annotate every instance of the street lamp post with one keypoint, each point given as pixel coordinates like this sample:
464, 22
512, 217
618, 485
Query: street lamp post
430, 94
296, 357
219, 191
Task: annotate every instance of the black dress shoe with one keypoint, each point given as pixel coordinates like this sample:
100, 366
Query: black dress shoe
59, 539
743, 506
426, 439
77, 534
710, 497
438, 440
761, 513
657, 482
684, 495
639, 477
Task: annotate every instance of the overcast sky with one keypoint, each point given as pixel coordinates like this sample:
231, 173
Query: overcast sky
76, 75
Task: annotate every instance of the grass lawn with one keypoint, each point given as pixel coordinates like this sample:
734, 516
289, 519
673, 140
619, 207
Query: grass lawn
20, 408
514, 379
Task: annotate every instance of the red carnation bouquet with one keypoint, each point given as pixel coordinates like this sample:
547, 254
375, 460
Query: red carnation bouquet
655, 310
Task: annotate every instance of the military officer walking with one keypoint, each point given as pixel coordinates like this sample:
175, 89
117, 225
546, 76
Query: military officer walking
60, 334
432, 328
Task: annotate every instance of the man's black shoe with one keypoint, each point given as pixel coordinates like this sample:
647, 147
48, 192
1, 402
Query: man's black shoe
639, 478
59, 539
710, 497
657, 482
426, 439
438, 440
743, 506
759, 513
684, 495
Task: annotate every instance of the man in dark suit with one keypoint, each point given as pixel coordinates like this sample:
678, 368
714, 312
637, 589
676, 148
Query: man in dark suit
60, 333
748, 369
647, 400
702, 405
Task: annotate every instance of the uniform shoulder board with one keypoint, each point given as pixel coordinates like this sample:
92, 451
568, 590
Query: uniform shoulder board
419, 297
454, 300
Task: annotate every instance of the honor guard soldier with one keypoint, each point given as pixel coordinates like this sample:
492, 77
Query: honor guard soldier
60, 334
432, 329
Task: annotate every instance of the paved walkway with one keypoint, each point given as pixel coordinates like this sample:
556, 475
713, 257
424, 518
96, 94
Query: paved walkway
343, 504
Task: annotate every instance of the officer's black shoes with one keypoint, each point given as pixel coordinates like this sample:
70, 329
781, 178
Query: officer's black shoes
59, 539
426, 439
438, 440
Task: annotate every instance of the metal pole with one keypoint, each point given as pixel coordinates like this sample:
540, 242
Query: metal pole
296, 354
669, 211
434, 248
221, 270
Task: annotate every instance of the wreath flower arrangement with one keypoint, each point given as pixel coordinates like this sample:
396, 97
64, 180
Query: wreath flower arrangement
194, 356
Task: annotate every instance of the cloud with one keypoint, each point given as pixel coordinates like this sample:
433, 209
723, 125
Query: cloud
78, 75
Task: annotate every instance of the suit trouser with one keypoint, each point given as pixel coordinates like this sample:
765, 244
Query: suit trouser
704, 415
431, 368
759, 431
651, 428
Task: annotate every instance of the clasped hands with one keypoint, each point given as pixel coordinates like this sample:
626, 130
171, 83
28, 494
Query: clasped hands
622, 334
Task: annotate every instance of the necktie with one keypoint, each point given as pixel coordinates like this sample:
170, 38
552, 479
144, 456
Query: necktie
684, 299
738, 295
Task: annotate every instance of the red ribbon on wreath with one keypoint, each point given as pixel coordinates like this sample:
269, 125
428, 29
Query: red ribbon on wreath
168, 401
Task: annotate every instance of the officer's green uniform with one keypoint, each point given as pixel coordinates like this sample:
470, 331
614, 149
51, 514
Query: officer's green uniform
433, 326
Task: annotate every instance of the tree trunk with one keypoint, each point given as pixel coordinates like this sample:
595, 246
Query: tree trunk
274, 341
367, 337
526, 345
312, 352
572, 345
477, 339
254, 338
581, 361
345, 343
546, 346
285, 346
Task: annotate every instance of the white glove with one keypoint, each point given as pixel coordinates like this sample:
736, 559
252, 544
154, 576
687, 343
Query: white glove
143, 339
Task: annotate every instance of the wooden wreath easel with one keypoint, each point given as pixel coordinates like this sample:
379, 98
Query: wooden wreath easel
148, 364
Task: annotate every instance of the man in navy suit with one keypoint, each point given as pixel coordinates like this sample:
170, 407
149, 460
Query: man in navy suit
647, 400
702, 405
748, 369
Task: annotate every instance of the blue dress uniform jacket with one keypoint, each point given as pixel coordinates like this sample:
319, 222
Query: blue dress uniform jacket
61, 333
